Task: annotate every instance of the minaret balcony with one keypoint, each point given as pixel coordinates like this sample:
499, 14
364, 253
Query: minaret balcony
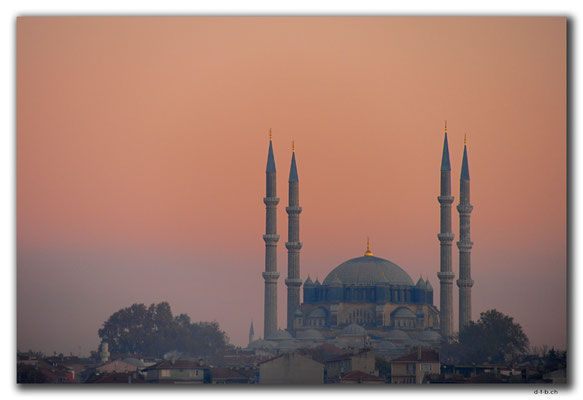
271, 238
271, 201
465, 208
293, 245
445, 237
446, 276
293, 209
270, 276
465, 283
465, 246
445, 199
293, 282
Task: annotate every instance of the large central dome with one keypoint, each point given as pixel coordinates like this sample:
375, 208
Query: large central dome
368, 270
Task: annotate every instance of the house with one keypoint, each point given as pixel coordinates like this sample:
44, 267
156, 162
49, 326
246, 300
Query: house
359, 377
412, 367
44, 371
291, 368
357, 360
177, 371
557, 376
117, 377
227, 376
125, 365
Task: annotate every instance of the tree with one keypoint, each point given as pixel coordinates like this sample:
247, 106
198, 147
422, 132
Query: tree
495, 337
554, 359
155, 331
383, 366
29, 374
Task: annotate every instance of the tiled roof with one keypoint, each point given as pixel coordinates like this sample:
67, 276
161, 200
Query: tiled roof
176, 364
224, 373
361, 376
347, 356
117, 377
426, 356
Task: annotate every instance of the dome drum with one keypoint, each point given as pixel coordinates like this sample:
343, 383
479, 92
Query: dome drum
367, 279
367, 294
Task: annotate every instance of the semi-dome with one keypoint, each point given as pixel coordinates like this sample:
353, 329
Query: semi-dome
353, 330
279, 335
402, 312
397, 334
368, 270
287, 345
429, 336
384, 345
310, 334
261, 344
318, 313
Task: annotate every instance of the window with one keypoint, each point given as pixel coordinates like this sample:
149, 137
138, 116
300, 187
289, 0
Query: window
410, 368
165, 372
425, 367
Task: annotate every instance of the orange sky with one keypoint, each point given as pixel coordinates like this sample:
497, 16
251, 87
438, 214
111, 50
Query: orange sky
142, 143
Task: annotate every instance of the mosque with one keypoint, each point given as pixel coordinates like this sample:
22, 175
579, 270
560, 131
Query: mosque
367, 300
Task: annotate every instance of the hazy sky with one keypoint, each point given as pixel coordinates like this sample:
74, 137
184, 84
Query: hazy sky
142, 144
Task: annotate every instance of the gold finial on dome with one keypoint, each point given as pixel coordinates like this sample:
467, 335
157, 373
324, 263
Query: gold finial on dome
270, 134
368, 252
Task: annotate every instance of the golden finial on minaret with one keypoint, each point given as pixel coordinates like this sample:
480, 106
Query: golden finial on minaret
465, 139
293, 146
446, 126
368, 252
270, 136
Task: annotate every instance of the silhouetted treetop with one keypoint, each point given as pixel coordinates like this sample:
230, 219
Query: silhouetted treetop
495, 337
154, 331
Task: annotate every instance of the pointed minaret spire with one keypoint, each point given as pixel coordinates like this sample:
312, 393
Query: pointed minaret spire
293, 171
465, 175
445, 165
270, 159
251, 333
271, 238
293, 245
445, 237
464, 245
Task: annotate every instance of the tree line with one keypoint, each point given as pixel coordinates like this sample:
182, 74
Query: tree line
154, 331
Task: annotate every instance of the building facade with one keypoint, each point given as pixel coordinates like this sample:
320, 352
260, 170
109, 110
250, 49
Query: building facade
367, 300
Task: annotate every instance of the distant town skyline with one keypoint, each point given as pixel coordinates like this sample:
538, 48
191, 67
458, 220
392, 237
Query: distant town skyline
142, 142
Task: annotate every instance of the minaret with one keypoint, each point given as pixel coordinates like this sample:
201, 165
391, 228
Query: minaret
271, 237
445, 236
293, 244
464, 245
251, 333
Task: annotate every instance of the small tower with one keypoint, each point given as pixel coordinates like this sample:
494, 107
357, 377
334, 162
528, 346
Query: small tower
293, 245
271, 238
464, 245
445, 237
251, 333
104, 350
